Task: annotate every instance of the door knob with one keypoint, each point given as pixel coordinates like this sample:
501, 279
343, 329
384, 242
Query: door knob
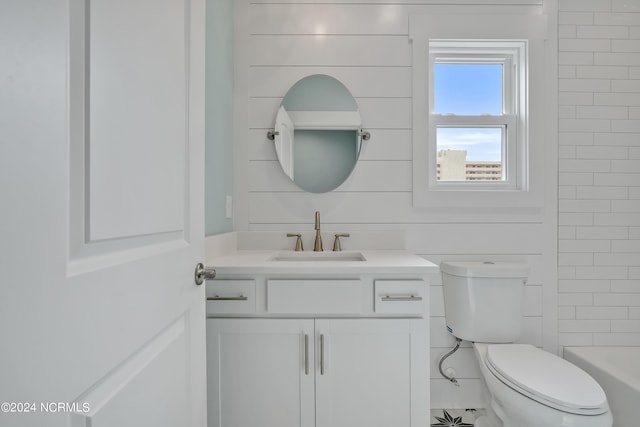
203, 273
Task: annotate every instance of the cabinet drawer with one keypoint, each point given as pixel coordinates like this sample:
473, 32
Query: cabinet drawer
315, 296
231, 296
400, 297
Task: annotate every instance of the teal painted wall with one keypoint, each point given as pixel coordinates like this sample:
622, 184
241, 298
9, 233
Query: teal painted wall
324, 159
219, 116
319, 93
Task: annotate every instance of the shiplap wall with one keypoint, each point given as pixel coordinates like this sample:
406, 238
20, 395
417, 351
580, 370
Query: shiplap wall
365, 45
599, 271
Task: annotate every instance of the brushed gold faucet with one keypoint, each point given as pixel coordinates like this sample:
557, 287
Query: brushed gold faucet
317, 245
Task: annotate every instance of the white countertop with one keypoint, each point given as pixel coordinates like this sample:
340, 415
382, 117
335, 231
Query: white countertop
376, 262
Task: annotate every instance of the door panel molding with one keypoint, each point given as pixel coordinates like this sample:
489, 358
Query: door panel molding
123, 391
113, 208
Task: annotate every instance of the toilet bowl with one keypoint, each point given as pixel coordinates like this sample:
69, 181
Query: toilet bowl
529, 387
523, 385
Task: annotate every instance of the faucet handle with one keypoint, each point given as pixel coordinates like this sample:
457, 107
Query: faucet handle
298, 236
336, 243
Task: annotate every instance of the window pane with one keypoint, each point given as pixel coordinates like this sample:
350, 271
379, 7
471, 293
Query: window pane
470, 154
468, 89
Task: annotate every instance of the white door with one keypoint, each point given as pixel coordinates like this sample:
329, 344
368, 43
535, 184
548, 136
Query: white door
101, 213
284, 132
261, 372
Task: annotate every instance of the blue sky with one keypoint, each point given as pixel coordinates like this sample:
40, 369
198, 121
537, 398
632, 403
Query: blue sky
469, 89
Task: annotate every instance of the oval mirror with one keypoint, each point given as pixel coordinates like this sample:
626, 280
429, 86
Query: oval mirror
317, 133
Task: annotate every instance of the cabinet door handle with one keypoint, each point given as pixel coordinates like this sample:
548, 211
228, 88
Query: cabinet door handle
219, 298
306, 354
401, 298
321, 354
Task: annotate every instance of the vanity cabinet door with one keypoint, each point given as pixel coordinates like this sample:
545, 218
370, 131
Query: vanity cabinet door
256, 372
371, 372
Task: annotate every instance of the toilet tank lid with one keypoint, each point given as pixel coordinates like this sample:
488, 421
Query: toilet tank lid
496, 269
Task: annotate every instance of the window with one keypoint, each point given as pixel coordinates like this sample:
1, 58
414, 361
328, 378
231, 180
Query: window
482, 112
476, 123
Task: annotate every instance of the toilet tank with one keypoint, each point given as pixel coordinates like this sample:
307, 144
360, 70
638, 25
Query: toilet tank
483, 299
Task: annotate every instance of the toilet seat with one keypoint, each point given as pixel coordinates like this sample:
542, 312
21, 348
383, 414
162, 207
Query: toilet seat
546, 378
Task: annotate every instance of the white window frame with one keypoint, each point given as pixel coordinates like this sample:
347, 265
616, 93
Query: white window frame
511, 55
518, 40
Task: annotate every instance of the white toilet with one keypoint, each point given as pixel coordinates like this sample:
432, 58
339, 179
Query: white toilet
525, 386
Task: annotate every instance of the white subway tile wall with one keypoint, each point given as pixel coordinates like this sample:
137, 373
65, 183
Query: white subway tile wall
599, 172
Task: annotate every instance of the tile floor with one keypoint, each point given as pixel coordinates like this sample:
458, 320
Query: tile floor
454, 417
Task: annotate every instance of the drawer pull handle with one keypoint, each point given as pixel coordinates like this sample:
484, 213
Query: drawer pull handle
401, 298
219, 298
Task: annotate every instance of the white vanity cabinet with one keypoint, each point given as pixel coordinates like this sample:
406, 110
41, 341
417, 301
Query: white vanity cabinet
256, 372
367, 374
315, 372
295, 344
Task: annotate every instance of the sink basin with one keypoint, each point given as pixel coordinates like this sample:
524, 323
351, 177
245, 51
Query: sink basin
318, 256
